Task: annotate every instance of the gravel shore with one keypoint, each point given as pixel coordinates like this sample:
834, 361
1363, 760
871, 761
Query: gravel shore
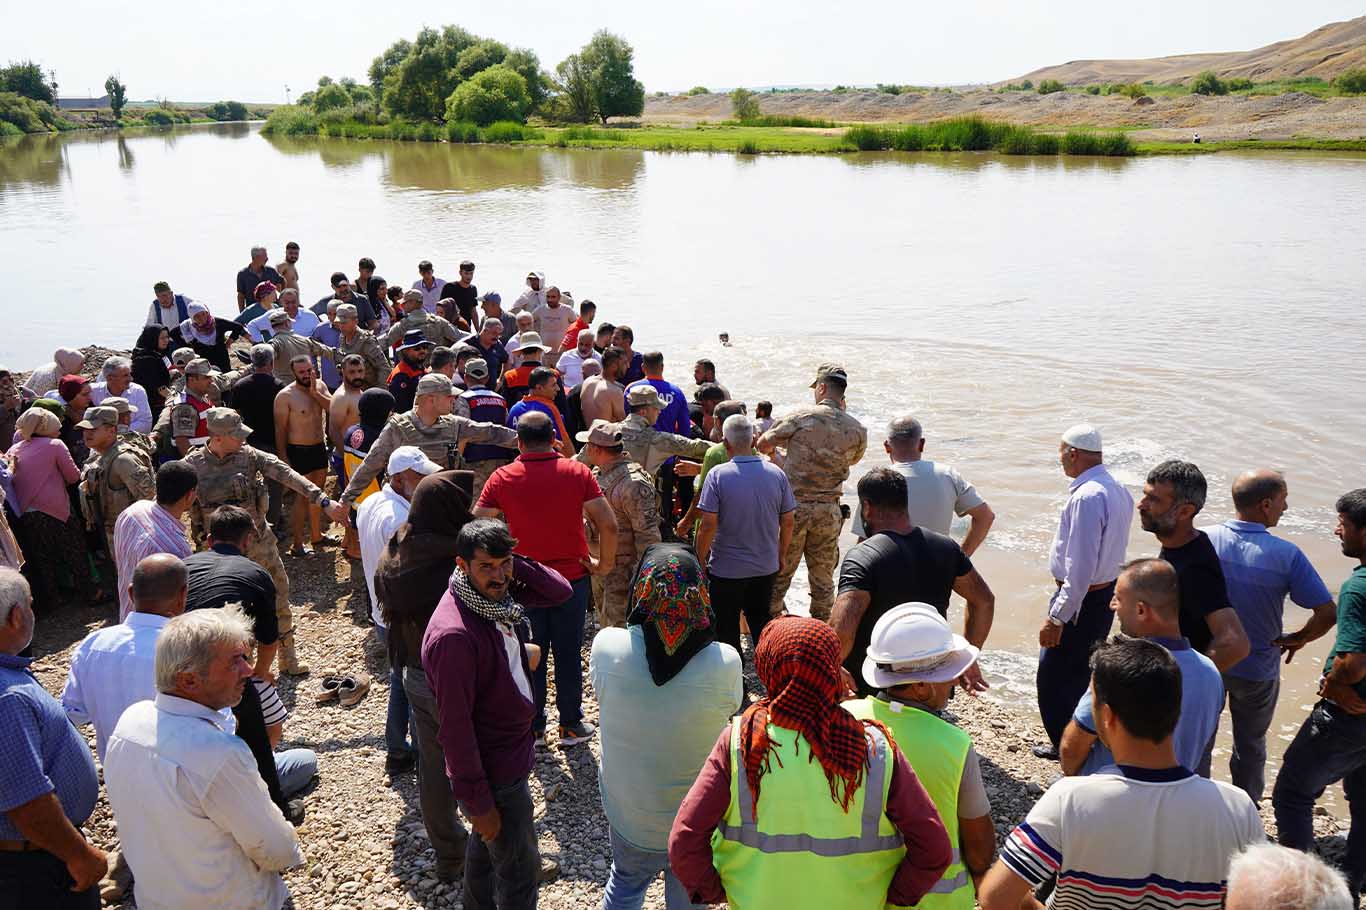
363, 835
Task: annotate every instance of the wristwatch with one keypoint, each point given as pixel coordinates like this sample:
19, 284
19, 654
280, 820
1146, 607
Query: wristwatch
325, 502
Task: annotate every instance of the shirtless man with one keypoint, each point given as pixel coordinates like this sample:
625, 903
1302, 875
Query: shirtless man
603, 397
343, 413
288, 269
299, 410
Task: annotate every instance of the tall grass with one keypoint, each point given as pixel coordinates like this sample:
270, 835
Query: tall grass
291, 120
974, 134
590, 134
773, 120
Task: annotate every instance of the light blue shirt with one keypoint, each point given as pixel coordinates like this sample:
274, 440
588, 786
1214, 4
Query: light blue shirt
749, 497
1259, 571
656, 738
1093, 532
1202, 701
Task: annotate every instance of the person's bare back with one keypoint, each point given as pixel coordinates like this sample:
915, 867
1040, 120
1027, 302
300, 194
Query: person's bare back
603, 399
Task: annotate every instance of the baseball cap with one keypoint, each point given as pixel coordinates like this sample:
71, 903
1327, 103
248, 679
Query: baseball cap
412, 294
913, 643
410, 458
182, 356
1083, 436
826, 370
643, 396
493, 296
477, 367
226, 422
434, 384
121, 405
528, 340
95, 418
348, 312
278, 317
601, 433
264, 288
413, 338
198, 367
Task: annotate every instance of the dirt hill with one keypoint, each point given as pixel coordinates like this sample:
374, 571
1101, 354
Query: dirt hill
1324, 52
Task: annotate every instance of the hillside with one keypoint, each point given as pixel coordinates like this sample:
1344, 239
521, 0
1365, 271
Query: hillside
1324, 52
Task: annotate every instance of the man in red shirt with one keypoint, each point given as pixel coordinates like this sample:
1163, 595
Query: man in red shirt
544, 498
588, 311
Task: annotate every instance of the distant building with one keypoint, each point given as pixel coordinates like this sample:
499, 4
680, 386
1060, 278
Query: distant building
82, 104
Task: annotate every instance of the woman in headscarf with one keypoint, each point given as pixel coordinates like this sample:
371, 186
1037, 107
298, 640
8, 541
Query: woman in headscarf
814, 808
52, 538
377, 292
152, 365
209, 336
665, 686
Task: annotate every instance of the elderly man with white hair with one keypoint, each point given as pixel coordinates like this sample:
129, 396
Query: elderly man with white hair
1272, 877
194, 817
116, 381
571, 362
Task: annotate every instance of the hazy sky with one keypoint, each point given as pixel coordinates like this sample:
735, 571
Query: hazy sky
249, 49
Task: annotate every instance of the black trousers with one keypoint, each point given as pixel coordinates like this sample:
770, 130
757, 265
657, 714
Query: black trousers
251, 729
732, 596
1064, 670
38, 880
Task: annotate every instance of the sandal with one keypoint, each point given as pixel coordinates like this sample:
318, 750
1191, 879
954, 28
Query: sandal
352, 689
329, 688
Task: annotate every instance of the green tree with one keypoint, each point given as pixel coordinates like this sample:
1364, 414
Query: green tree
118, 95
492, 94
1208, 83
611, 77
419, 86
27, 79
528, 66
330, 97
744, 104
576, 93
386, 63
1049, 87
699, 90
479, 57
1351, 82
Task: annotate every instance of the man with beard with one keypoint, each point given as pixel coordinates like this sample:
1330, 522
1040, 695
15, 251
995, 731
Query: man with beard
411, 365
299, 413
288, 269
352, 339
342, 414
344, 292
1172, 497
603, 397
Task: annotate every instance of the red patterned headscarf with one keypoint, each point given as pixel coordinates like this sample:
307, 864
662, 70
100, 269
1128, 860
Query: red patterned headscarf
798, 660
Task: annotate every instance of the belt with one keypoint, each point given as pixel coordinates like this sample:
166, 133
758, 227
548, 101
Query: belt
1094, 587
18, 846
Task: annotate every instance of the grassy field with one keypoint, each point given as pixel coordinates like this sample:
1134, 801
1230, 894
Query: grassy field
1265, 145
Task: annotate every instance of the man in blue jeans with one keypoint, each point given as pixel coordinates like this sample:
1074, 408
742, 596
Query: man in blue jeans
1331, 745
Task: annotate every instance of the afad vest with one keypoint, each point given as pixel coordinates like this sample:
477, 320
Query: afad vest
805, 850
937, 751
489, 407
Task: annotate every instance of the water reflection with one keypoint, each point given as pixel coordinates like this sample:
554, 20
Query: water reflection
977, 161
126, 160
38, 160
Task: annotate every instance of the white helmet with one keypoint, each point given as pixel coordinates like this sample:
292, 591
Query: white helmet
913, 643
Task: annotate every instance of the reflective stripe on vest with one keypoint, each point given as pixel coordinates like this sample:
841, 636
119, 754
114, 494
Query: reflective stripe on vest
489, 407
937, 751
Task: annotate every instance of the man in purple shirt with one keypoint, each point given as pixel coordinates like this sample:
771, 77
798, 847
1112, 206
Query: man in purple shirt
475, 655
747, 515
1088, 551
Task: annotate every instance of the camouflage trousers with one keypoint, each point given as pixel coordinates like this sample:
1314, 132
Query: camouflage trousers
266, 554
483, 470
816, 530
611, 593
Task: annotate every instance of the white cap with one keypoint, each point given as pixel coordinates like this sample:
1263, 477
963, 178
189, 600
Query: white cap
913, 643
1083, 436
410, 458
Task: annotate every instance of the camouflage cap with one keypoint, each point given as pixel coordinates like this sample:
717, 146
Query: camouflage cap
182, 356
119, 404
198, 367
95, 418
347, 312
477, 367
643, 396
226, 422
601, 433
828, 370
434, 384
278, 317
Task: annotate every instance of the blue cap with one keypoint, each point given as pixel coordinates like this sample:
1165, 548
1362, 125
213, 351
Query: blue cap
494, 296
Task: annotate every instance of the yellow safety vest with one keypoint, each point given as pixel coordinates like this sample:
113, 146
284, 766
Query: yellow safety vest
805, 850
937, 752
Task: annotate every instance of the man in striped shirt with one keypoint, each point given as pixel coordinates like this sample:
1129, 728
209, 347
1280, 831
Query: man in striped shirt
1147, 834
151, 526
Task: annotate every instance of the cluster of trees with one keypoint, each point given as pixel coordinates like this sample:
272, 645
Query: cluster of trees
454, 75
27, 99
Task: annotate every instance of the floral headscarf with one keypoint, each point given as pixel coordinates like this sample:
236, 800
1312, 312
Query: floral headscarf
669, 600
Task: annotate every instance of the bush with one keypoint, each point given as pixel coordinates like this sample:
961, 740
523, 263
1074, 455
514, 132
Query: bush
748, 147
25, 114
1208, 83
428, 132
1132, 90
1093, 89
772, 120
1050, 86
493, 94
868, 138
1027, 85
744, 104
699, 90
8, 129
158, 117
1351, 82
28, 80
330, 97
228, 110
509, 131
889, 89
291, 120
1239, 85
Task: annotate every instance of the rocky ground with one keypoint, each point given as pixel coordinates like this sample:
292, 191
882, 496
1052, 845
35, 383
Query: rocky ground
363, 835
1160, 118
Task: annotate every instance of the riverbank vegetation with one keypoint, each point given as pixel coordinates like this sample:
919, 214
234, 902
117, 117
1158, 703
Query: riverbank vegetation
1349, 83
974, 134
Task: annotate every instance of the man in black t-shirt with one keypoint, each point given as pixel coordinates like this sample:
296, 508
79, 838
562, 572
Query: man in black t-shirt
465, 295
1173, 495
900, 563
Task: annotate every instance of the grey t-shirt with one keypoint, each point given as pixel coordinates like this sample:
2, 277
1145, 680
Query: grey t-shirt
934, 494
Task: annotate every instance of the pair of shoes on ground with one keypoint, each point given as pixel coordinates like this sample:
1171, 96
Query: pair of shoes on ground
346, 690
570, 734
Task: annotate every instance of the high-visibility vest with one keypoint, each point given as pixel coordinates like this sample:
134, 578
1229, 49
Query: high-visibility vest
805, 850
937, 752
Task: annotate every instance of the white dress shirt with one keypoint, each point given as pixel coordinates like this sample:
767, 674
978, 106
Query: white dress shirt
377, 520
113, 668
1093, 532
194, 817
431, 296
571, 366
304, 322
136, 396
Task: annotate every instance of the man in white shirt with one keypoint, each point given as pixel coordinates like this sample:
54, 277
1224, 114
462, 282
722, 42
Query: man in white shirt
429, 285
116, 381
934, 492
378, 518
304, 321
194, 816
571, 362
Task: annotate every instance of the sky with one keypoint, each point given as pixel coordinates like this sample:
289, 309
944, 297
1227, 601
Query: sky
249, 50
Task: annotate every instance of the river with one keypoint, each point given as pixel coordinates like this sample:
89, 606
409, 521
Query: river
1204, 307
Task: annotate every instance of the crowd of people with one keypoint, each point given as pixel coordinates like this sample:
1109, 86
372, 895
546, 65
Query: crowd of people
507, 481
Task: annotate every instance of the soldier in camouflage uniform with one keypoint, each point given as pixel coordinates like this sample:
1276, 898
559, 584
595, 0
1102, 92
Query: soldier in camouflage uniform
355, 340
431, 427
434, 328
115, 477
230, 474
631, 494
645, 445
823, 442
140, 443
288, 345
181, 426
